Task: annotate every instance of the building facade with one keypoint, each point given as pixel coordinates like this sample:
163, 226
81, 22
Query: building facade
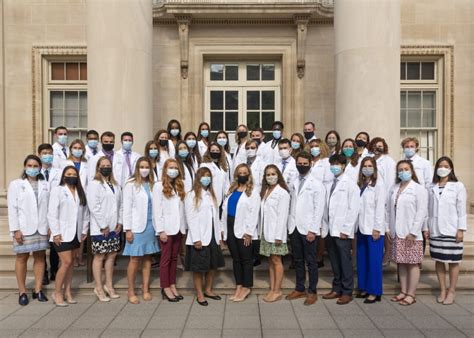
393, 68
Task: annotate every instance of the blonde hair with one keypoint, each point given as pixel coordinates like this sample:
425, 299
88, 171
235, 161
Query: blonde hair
172, 186
78, 141
410, 139
235, 184
323, 147
137, 178
99, 177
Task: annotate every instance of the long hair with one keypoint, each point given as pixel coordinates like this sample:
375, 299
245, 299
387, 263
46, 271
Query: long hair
73, 143
295, 152
361, 178
168, 129
266, 186
323, 147
238, 140
199, 137
172, 186
227, 146
79, 189
197, 187
34, 158
99, 177
373, 145
157, 140
235, 184
451, 177
413, 172
222, 163
354, 159
337, 147
195, 151
137, 178
188, 161
147, 151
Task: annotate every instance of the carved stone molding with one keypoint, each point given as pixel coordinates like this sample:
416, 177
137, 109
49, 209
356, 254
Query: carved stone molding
242, 21
183, 22
301, 22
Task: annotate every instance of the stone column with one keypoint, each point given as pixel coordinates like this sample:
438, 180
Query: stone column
3, 161
119, 62
367, 58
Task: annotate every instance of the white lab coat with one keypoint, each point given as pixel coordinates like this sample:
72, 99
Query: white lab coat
410, 213
220, 180
90, 152
25, 212
117, 167
386, 170
352, 171
54, 177
240, 156
83, 171
188, 179
307, 206
269, 155
342, 208
66, 216
230, 166
258, 169
322, 172
125, 176
246, 215
290, 173
105, 206
447, 212
274, 210
58, 155
135, 207
168, 213
423, 169
202, 147
202, 220
372, 209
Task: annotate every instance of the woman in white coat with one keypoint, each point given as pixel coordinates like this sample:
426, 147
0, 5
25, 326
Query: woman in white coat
166, 149
407, 207
447, 222
241, 138
222, 139
239, 222
203, 137
203, 254
28, 199
371, 231
138, 223
104, 198
170, 224
349, 150
185, 163
274, 210
68, 218
191, 141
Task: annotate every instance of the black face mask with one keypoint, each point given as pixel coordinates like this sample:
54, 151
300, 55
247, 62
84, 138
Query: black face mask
257, 140
379, 150
215, 156
105, 171
108, 146
242, 134
71, 180
242, 179
361, 143
303, 169
163, 143
308, 134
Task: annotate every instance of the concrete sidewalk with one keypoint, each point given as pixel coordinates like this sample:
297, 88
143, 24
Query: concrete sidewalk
253, 318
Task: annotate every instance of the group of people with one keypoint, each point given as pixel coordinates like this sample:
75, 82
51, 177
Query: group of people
301, 196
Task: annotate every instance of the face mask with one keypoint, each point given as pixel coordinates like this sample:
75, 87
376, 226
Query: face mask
222, 141
215, 156
153, 153
257, 140
93, 143
47, 159
295, 145
71, 180
361, 143
32, 172
348, 152
191, 143
443, 172
174, 132
62, 139
205, 181
284, 153
163, 143
272, 180
108, 146
242, 134
405, 176
315, 151
183, 153
336, 170
242, 179
331, 143
205, 133
367, 171
127, 145
276, 134
105, 171
378, 150
251, 152
308, 134
409, 152
77, 152
172, 173
303, 169
144, 172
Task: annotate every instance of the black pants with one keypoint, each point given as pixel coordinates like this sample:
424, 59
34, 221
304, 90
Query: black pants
304, 252
242, 256
339, 251
53, 260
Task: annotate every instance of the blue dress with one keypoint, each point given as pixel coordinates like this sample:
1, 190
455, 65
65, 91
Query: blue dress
144, 243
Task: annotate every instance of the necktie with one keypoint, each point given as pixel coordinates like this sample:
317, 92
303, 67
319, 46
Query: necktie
94, 151
46, 174
333, 187
64, 152
283, 166
302, 180
127, 160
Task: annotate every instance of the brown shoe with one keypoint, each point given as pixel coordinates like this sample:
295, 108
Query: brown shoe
311, 299
331, 295
344, 299
295, 295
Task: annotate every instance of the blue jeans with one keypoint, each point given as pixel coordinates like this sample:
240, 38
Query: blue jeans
304, 252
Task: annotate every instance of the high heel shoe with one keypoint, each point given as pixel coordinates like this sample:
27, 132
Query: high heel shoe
112, 295
63, 304
101, 296
165, 296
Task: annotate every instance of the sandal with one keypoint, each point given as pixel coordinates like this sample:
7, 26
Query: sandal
404, 301
147, 296
133, 300
397, 298
441, 299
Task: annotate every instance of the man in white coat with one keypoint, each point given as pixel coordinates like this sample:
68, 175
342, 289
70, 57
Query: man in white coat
129, 157
60, 148
269, 150
287, 163
92, 146
308, 131
423, 168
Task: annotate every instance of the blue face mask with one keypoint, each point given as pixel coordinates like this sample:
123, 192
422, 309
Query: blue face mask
153, 153
47, 159
409, 152
127, 145
32, 172
404, 176
191, 143
93, 143
348, 152
336, 170
62, 139
367, 171
315, 151
295, 145
174, 132
77, 152
205, 181
276, 134
222, 141
205, 133
183, 153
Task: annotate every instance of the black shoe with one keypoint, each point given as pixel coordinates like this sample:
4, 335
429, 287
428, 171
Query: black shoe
23, 299
257, 262
203, 303
320, 264
362, 295
179, 297
52, 276
212, 297
45, 279
165, 296
40, 296
372, 301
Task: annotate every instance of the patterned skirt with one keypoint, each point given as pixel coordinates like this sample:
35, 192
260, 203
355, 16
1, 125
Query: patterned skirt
105, 245
445, 249
268, 249
31, 243
407, 252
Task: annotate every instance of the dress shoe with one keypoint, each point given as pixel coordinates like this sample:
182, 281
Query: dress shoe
23, 299
169, 299
203, 303
372, 301
295, 295
344, 299
320, 264
331, 295
362, 295
40, 296
52, 276
311, 299
45, 279
215, 297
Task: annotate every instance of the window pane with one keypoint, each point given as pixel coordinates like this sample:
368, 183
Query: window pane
429, 100
403, 100
217, 121
414, 100
83, 109
413, 118
231, 72
427, 71
231, 100
403, 118
402, 71
217, 100
57, 71
268, 72
268, 99
413, 70
268, 117
72, 71
72, 109
72, 100
429, 118
217, 72
72, 118
56, 100
83, 71
253, 72
56, 118
253, 99
253, 119
231, 120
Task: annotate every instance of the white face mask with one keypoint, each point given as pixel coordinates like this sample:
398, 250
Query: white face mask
251, 152
144, 172
284, 153
443, 172
272, 180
